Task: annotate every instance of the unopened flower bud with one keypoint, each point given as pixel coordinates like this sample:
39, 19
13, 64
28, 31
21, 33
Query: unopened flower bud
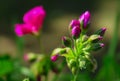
101, 31
95, 38
97, 46
76, 32
85, 19
30, 57
66, 41
54, 57
74, 23
58, 51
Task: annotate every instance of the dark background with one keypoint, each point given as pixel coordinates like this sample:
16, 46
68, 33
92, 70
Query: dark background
59, 15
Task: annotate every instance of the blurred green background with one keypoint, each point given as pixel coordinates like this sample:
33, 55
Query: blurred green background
105, 13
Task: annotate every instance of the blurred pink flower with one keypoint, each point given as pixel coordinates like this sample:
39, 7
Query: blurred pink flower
25, 57
33, 20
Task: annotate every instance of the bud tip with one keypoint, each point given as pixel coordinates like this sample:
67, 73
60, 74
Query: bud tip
74, 23
54, 57
102, 45
63, 38
103, 29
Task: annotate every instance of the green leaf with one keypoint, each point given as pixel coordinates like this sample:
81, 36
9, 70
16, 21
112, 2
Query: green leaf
6, 66
27, 72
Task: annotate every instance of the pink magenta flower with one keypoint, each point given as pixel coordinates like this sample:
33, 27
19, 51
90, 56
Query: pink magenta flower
74, 23
22, 29
76, 31
33, 20
85, 18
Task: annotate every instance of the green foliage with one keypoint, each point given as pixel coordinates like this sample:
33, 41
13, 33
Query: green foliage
26, 79
6, 65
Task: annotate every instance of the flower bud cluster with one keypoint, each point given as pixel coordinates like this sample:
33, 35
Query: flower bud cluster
77, 50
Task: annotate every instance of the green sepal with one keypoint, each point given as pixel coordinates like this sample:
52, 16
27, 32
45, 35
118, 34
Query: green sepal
68, 54
100, 32
84, 38
31, 57
71, 63
94, 38
86, 47
58, 51
66, 41
96, 47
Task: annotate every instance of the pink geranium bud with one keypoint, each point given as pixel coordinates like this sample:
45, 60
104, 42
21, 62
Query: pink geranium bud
30, 57
102, 45
76, 32
101, 31
85, 19
54, 57
33, 20
97, 46
74, 23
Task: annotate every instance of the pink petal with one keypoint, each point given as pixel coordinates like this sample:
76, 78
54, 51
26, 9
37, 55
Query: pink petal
85, 18
23, 29
18, 30
35, 16
74, 23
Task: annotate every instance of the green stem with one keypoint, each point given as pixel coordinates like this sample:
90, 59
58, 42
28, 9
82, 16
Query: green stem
76, 75
75, 78
39, 42
75, 47
20, 47
46, 78
73, 51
